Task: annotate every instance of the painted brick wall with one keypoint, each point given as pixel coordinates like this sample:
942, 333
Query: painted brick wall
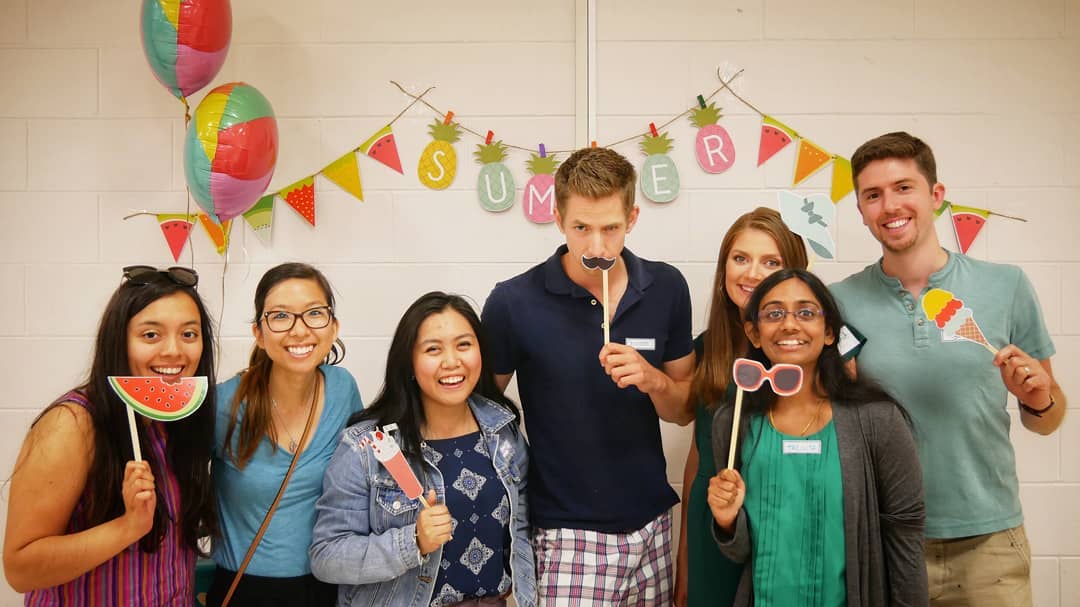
87, 136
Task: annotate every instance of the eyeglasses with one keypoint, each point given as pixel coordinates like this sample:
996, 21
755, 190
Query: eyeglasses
280, 321
803, 314
786, 379
144, 275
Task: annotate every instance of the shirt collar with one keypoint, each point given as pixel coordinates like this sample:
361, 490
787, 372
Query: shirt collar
556, 281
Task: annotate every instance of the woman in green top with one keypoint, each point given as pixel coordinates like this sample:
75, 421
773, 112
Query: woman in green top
831, 512
756, 245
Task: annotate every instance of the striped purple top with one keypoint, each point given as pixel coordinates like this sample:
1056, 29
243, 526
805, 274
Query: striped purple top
133, 577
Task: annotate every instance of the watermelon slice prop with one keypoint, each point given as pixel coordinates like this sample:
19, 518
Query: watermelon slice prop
382, 147
153, 397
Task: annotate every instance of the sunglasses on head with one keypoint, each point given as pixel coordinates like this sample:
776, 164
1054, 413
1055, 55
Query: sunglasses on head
144, 275
786, 379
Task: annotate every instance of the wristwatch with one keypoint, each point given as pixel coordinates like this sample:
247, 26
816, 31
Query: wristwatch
1037, 412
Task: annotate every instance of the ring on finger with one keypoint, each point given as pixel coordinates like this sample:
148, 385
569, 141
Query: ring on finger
1027, 370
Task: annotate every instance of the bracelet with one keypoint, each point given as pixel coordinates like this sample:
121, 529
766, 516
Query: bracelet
1037, 412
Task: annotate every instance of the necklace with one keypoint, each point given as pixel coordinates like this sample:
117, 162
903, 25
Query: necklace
817, 413
292, 439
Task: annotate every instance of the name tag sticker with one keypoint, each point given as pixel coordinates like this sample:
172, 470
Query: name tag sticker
802, 447
641, 343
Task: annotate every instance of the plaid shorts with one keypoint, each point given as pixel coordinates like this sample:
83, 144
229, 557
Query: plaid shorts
580, 568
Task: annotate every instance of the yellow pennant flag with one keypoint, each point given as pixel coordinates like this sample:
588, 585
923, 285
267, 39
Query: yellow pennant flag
842, 184
217, 233
809, 160
345, 172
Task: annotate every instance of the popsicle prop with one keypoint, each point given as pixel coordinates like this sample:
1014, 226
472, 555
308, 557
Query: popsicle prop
603, 264
388, 453
749, 375
956, 321
155, 398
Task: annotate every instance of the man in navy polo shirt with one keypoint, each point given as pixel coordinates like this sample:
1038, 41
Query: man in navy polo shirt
598, 492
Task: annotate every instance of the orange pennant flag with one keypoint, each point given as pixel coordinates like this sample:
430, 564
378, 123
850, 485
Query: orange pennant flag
842, 184
809, 160
301, 197
217, 233
345, 172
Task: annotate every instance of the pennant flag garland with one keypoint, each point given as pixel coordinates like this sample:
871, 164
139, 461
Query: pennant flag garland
177, 229
382, 147
775, 136
809, 160
538, 202
438, 162
659, 177
714, 149
967, 222
842, 183
218, 233
345, 172
498, 197
301, 197
261, 218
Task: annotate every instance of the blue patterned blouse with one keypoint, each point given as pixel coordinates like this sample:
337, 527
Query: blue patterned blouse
475, 563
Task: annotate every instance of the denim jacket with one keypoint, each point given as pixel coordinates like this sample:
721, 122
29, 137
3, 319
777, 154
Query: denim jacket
364, 537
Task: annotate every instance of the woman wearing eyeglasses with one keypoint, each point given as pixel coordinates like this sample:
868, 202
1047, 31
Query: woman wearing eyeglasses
826, 501
87, 525
756, 245
289, 387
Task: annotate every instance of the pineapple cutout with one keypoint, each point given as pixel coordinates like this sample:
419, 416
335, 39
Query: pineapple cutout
539, 200
715, 151
495, 184
659, 177
438, 162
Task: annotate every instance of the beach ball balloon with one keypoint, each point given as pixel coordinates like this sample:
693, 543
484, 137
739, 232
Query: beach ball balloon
230, 150
186, 41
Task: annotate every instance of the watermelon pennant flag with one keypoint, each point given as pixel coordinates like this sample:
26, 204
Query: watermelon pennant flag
775, 136
345, 172
381, 147
261, 218
842, 183
809, 160
219, 234
945, 204
177, 229
301, 197
967, 222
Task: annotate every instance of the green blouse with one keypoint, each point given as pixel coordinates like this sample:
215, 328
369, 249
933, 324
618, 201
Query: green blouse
794, 504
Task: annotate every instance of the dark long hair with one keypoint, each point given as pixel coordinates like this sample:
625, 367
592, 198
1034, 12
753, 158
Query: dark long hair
724, 329
400, 401
254, 388
832, 379
189, 439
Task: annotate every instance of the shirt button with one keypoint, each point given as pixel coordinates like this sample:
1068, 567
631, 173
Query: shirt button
910, 307
397, 504
921, 322
425, 579
593, 302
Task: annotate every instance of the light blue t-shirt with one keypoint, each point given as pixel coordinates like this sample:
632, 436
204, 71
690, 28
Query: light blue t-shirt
243, 496
952, 389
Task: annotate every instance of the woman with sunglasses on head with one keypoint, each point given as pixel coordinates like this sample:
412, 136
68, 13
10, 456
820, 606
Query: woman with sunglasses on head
291, 402
88, 525
468, 544
831, 510
756, 245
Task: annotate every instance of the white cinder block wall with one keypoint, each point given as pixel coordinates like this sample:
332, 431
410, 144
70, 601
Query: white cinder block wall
87, 136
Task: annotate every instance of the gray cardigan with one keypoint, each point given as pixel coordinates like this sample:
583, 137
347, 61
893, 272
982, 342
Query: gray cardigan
884, 511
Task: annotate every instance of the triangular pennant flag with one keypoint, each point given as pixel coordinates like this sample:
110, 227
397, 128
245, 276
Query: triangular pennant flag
301, 197
382, 147
842, 183
774, 137
810, 217
967, 222
177, 228
219, 234
809, 159
345, 172
261, 218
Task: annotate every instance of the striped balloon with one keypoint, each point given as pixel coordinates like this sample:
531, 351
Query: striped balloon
186, 41
230, 150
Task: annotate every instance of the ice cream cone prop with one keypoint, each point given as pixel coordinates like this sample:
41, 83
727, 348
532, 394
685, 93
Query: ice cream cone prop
956, 321
735, 429
389, 454
603, 264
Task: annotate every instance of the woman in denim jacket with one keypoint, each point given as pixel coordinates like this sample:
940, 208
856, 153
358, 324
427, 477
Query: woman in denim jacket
469, 545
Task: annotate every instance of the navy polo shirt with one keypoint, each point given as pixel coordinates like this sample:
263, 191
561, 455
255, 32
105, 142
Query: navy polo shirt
596, 459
